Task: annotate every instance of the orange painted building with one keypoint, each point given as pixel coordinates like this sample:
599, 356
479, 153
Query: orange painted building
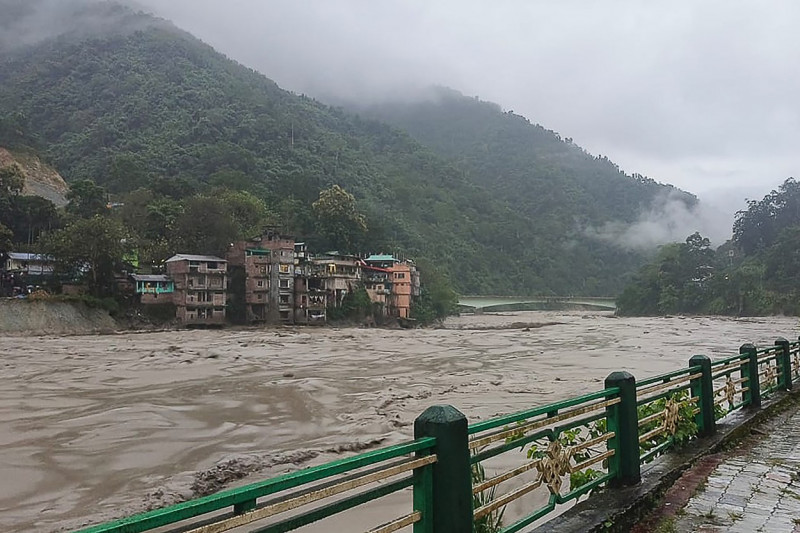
392, 283
400, 298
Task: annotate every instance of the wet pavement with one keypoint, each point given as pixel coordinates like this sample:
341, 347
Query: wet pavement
756, 489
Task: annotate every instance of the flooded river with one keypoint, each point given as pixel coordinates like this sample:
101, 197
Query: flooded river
96, 427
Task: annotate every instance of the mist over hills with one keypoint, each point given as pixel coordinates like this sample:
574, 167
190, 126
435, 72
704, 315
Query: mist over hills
501, 205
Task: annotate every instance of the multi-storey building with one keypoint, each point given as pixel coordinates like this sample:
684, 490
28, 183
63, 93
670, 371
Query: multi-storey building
200, 287
310, 298
267, 278
392, 283
337, 275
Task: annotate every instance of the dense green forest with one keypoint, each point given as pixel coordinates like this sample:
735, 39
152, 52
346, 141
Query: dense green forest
552, 182
755, 273
200, 149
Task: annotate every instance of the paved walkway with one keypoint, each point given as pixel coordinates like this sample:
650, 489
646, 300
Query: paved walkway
755, 489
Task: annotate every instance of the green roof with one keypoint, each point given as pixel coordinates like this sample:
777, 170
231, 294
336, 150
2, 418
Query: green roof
257, 251
381, 257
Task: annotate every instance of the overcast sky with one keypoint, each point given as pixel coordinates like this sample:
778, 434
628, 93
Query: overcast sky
701, 94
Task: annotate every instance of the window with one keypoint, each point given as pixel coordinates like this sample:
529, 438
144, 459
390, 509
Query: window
284, 299
284, 284
284, 269
260, 283
260, 296
211, 265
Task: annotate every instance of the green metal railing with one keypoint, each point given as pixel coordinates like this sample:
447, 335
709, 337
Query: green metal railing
457, 471
557, 448
317, 485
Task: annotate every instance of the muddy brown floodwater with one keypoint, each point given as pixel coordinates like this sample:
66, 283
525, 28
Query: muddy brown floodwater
97, 427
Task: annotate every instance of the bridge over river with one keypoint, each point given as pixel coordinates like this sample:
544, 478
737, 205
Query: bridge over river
515, 303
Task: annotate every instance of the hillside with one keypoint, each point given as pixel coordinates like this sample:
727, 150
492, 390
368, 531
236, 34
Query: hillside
40, 179
533, 168
501, 206
754, 274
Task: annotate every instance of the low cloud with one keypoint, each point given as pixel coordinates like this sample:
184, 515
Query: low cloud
28, 22
670, 219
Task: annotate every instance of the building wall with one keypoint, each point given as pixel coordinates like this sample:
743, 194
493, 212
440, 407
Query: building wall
400, 302
149, 298
199, 295
269, 284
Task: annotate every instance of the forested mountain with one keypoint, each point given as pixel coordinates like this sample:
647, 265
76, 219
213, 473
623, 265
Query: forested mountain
155, 116
754, 274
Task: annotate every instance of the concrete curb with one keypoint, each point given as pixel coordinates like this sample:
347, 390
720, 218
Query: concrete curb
620, 509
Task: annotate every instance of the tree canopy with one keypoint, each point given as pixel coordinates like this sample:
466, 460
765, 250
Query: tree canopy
755, 273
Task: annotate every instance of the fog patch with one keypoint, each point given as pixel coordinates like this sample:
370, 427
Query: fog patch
669, 219
30, 22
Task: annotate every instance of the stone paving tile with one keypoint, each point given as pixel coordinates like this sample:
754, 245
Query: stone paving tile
757, 491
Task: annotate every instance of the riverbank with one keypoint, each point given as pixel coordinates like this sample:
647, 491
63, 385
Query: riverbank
23, 317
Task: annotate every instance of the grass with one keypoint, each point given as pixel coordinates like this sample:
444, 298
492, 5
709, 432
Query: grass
666, 526
709, 515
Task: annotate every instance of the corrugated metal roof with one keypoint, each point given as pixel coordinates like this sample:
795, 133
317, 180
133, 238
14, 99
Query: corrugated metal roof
24, 256
189, 257
150, 277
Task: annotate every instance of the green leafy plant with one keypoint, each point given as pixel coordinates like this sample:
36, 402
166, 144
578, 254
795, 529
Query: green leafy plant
686, 427
492, 522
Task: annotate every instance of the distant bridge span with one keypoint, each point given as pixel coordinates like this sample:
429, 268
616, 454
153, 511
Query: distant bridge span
511, 303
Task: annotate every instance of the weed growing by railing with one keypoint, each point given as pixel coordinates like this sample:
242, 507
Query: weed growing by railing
492, 522
685, 426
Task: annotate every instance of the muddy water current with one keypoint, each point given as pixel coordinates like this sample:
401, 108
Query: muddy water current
97, 427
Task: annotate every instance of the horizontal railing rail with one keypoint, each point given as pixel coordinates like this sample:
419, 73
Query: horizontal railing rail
464, 476
667, 407
564, 441
244, 506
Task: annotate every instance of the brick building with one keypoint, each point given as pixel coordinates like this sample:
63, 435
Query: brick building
200, 288
265, 278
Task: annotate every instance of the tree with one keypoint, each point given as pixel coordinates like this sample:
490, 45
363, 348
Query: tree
756, 228
11, 183
91, 249
249, 214
676, 281
30, 216
205, 226
12, 179
437, 299
338, 219
86, 199
6, 238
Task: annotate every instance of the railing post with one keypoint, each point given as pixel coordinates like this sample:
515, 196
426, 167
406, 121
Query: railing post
703, 389
452, 478
623, 420
785, 362
753, 394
